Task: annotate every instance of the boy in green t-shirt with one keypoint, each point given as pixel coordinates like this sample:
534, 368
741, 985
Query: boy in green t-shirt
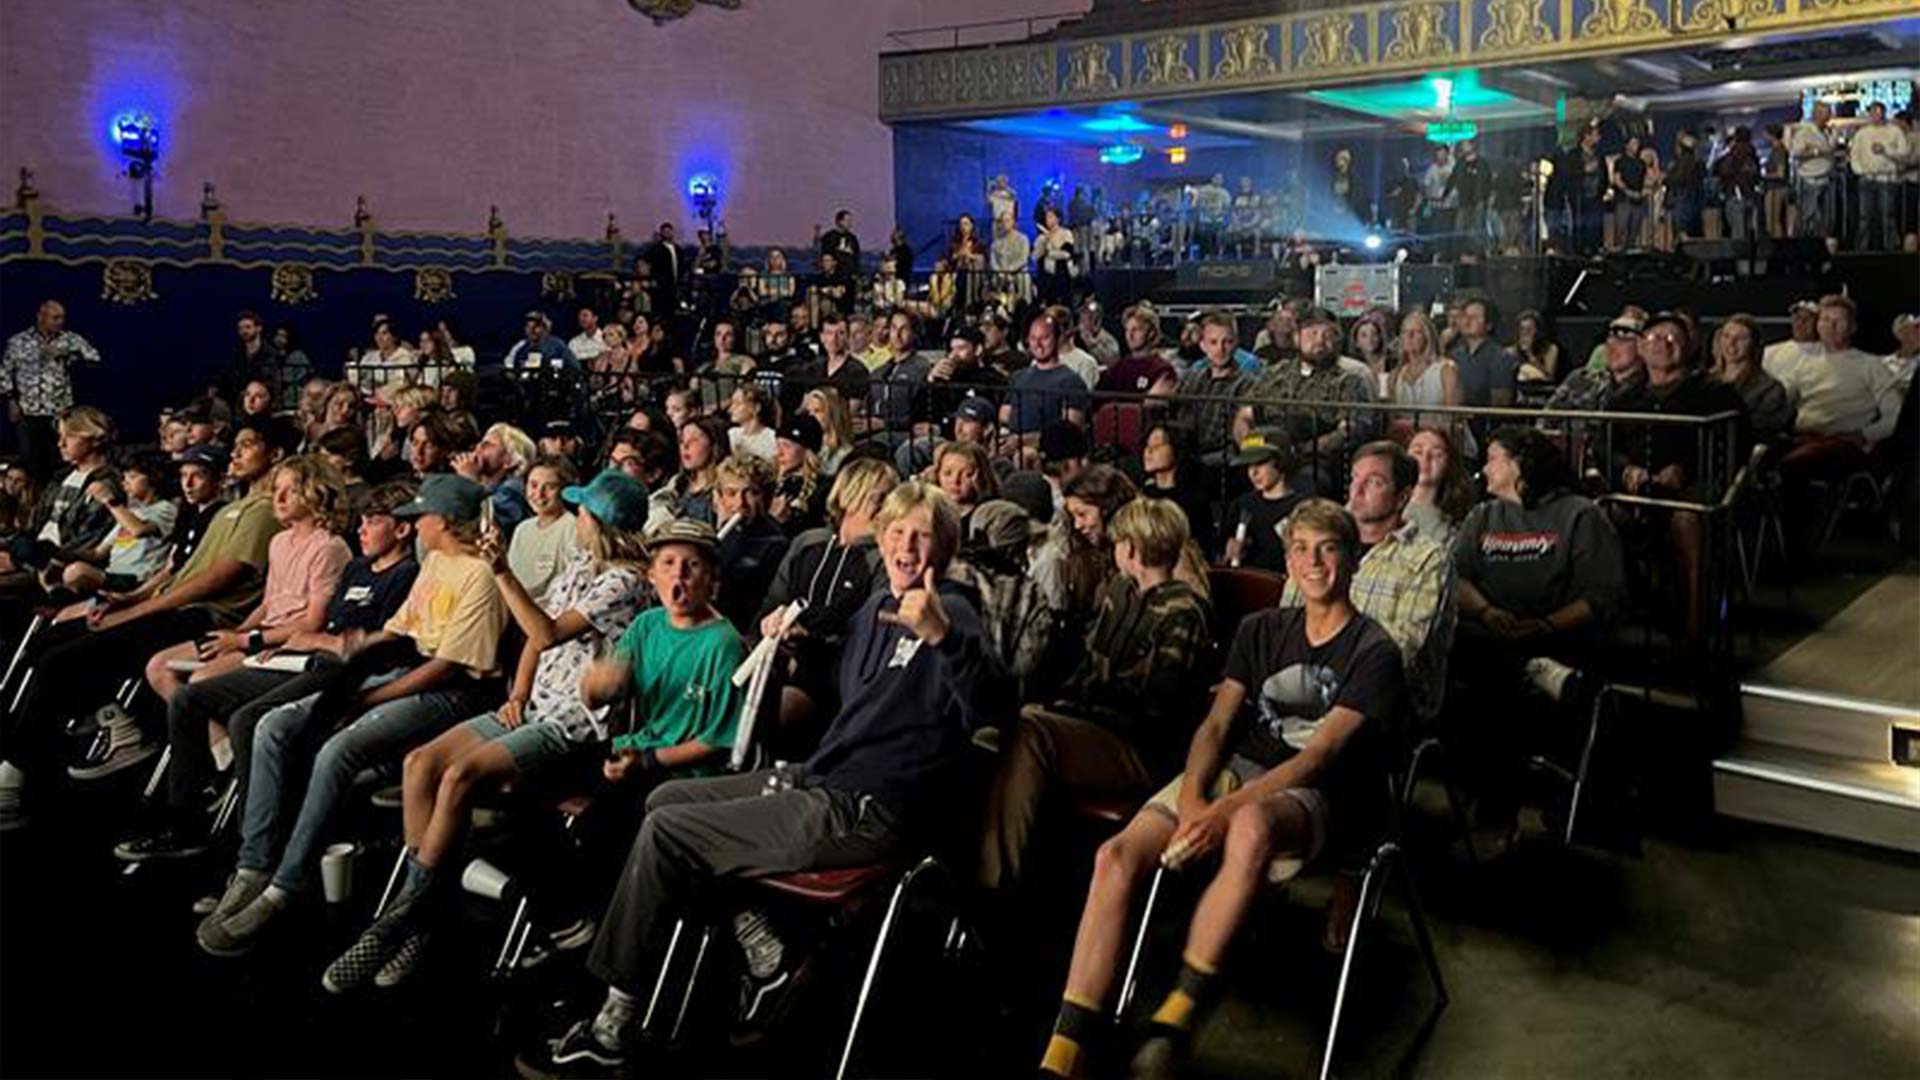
678, 659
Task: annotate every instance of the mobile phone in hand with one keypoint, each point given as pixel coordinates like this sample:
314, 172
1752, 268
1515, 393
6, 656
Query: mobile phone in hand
487, 524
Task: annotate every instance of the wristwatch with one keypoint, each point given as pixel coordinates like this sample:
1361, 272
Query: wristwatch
256, 642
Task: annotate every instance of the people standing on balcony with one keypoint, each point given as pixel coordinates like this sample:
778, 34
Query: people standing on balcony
1878, 153
1349, 194
1685, 187
967, 257
1810, 149
1471, 186
1211, 201
1738, 171
666, 266
1627, 179
1053, 253
1080, 215
841, 243
1437, 199
1010, 252
900, 250
1588, 192
1002, 203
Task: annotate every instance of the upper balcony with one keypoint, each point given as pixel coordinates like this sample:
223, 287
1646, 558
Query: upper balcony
1130, 51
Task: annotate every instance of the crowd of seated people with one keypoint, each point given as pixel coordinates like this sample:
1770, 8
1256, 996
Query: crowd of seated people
931, 542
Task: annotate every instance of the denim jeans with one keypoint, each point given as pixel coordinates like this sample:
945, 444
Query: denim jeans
283, 738
1877, 226
1813, 207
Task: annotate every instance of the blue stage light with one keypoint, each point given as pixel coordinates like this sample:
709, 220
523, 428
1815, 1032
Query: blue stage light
1373, 241
703, 186
1125, 153
137, 134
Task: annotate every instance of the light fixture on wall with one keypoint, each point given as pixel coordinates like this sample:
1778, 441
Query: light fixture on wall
704, 190
137, 135
1177, 156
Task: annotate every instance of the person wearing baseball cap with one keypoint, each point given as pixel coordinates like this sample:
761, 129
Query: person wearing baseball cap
543, 726
1906, 354
1782, 358
1256, 516
539, 350
442, 647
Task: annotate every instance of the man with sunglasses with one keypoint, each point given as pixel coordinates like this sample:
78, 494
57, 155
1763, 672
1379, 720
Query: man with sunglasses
1592, 389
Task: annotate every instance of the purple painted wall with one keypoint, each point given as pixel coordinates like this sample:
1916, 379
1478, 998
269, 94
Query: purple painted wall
556, 111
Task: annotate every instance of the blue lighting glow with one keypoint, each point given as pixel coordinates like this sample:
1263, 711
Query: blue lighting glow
1119, 124
137, 135
703, 186
1373, 241
1124, 153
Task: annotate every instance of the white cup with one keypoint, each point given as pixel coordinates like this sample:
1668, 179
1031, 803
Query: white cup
336, 871
482, 878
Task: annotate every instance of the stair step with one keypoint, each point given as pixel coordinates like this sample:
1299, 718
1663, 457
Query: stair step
1825, 723
1871, 802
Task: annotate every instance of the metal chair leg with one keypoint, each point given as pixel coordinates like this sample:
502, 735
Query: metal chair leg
693, 981
393, 882
660, 981
26, 680
508, 956
159, 771
20, 650
1128, 984
1586, 759
1375, 867
1416, 915
873, 964
229, 804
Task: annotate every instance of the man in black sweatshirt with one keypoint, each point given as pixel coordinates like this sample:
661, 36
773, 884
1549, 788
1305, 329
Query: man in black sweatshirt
916, 678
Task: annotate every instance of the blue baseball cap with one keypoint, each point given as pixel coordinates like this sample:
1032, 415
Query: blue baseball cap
453, 497
613, 498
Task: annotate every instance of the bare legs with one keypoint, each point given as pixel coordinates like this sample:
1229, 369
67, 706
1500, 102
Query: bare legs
437, 785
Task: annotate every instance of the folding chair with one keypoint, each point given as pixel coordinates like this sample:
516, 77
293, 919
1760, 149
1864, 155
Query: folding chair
831, 888
1387, 856
1603, 705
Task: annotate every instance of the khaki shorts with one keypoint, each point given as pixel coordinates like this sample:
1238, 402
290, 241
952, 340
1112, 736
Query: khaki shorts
1236, 773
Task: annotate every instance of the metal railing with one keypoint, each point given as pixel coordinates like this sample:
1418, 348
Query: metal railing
985, 32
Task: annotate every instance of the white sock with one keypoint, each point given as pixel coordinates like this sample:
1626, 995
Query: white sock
11, 776
615, 1016
274, 895
222, 754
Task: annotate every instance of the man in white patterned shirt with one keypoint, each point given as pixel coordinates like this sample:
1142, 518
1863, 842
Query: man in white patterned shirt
35, 383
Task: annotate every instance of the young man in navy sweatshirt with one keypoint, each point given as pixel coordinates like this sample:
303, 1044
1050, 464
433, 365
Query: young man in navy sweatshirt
916, 678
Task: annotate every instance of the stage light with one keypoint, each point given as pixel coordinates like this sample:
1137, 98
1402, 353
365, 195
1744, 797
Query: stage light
1177, 156
1177, 131
1545, 166
1373, 242
1442, 94
1452, 131
703, 186
1400, 255
1125, 153
137, 134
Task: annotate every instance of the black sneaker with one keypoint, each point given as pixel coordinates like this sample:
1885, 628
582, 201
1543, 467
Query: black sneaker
575, 1054
1161, 1055
167, 842
764, 1003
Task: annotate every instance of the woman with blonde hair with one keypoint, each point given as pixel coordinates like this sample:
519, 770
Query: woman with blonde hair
798, 485
965, 473
836, 426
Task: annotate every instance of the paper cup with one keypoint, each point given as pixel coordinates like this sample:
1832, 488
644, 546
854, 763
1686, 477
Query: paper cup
336, 871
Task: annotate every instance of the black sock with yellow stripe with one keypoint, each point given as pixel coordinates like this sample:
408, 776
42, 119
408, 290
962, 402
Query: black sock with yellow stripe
1076, 1031
1191, 993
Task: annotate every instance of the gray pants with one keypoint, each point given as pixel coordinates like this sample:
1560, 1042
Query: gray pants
702, 832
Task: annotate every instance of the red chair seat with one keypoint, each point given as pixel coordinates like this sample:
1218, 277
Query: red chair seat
829, 886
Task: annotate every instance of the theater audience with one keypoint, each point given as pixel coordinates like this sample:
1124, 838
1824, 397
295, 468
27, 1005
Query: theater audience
1540, 575
752, 412
1290, 762
833, 568
1168, 471
1845, 399
499, 464
916, 679
36, 382
1141, 370
1736, 362
68, 524
1211, 392
750, 544
306, 563
1488, 373
544, 727
964, 472
213, 590
1045, 390
433, 663
1593, 388
1322, 380
543, 544
799, 485
829, 409
1444, 492
690, 492
144, 505
1124, 715
1255, 516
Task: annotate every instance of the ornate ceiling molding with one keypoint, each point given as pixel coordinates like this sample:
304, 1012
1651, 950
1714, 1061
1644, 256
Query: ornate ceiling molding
661, 11
1317, 47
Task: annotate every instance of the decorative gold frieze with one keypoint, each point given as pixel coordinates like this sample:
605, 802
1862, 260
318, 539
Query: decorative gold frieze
1164, 62
1419, 33
1244, 53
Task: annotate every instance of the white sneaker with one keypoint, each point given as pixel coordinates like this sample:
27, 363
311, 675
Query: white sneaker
12, 783
125, 746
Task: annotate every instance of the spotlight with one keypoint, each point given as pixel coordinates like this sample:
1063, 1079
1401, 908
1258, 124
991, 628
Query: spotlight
704, 190
137, 134
1177, 156
1400, 255
1373, 242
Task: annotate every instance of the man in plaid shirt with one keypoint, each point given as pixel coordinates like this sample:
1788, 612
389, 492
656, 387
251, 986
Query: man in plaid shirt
1405, 580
